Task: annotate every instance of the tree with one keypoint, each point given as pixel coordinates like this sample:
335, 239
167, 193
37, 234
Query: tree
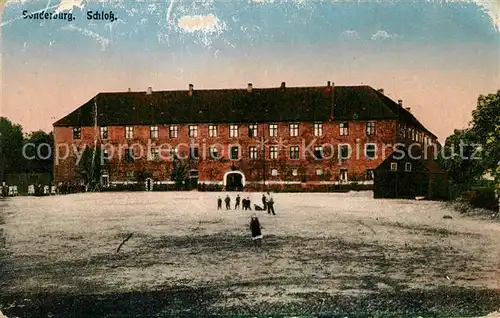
11, 143
90, 166
180, 170
486, 126
459, 158
38, 152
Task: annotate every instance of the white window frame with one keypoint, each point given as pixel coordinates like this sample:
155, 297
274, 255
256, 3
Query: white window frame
318, 129
319, 171
231, 153
293, 129
213, 131
343, 175
344, 129
154, 132
368, 173
394, 166
77, 133
129, 132
253, 130
154, 153
408, 167
370, 128
193, 131
295, 150
273, 152
320, 149
274, 172
173, 131
295, 172
104, 132
273, 130
211, 151
233, 131
253, 153
374, 150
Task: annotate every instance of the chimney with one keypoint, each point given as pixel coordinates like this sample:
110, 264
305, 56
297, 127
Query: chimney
328, 84
381, 90
129, 90
249, 88
283, 85
408, 109
400, 102
150, 91
191, 87
332, 109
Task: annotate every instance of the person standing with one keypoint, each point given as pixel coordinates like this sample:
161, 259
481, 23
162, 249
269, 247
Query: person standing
270, 205
228, 202
237, 204
219, 203
264, 201
249, 205
255, 228
244, 204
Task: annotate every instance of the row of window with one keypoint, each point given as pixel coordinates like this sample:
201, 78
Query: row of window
254, 153
394, 166
234, 131
413, 134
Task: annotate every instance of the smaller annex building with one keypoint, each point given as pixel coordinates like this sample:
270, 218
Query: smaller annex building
405, 177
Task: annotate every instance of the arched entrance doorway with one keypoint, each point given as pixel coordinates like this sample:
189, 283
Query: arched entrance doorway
234, 181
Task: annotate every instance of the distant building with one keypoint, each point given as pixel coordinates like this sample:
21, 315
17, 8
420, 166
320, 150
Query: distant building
311, 135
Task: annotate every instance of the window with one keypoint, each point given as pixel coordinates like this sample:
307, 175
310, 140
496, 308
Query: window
77, 132
318, 129
213, 153
343, 175
193, 131
370, 128
370, 151
212, 131
274, 172
252, 152
173, 131
234, 153
344, 129
193, 153
369, 175
103, 131
273, 130
233, 131
394, 166
408, 167
273, 152
294, 152
153, 132
295, 172
318, 152
294, 130
344, 151
252, 130
319, 171
129, 132
129, 155
155, 154
130, 174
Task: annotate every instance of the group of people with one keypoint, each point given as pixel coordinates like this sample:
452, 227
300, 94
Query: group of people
255, 227
267, 202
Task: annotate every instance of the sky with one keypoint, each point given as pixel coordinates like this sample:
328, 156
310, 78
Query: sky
437, 56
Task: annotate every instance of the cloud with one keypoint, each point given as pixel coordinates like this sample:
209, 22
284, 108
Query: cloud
69, 5
349, 35
381, 35
104, 42
204, 23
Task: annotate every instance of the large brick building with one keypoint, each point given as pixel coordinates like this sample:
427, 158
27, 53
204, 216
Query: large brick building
239, 137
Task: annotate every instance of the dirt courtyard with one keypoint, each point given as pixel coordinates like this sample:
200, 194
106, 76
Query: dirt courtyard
323, 254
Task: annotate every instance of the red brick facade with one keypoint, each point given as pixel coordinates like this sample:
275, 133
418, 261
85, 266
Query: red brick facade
213, 170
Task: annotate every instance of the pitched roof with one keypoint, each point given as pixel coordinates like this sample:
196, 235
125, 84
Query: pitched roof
237, 105
416, 152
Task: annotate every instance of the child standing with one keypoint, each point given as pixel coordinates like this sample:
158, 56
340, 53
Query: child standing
256, 230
